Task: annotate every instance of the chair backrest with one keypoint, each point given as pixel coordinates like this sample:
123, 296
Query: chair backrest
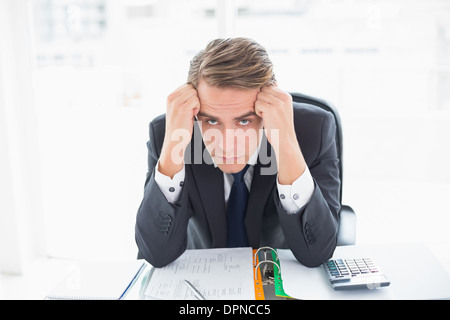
347, 217
302, 98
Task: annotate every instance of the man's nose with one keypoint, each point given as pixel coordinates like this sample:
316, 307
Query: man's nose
229, 139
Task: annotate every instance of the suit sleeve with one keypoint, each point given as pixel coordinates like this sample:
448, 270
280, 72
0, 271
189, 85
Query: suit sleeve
161, 227
311, 233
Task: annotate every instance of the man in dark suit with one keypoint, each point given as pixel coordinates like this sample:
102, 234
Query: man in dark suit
231, 120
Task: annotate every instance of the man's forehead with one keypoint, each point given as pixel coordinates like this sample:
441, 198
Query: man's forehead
228, 97
238, 109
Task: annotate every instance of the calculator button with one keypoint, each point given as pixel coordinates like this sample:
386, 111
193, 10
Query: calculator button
365, 271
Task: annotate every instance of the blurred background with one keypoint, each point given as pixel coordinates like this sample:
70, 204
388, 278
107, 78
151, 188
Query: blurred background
81, 79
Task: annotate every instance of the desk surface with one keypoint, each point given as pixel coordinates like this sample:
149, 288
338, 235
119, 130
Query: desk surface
413, 270
415, 273
45, 274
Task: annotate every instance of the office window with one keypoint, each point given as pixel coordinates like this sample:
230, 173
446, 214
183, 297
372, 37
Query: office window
103, 69
385, 66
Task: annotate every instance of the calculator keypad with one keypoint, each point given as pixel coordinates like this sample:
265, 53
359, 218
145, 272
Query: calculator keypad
341, 269
355, 273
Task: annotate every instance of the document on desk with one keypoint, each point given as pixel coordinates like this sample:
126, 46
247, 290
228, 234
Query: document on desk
216, 273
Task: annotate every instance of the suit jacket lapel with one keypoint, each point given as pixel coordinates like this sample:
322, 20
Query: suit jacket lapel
209, 182
261, 187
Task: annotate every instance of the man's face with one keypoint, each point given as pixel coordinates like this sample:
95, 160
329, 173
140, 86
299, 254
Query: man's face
229, 124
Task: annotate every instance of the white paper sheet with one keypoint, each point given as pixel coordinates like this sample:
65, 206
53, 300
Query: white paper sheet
216, 273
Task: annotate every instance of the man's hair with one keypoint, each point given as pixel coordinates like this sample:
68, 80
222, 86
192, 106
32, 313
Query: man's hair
233, 62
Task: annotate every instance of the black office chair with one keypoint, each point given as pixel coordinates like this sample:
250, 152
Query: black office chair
347, 217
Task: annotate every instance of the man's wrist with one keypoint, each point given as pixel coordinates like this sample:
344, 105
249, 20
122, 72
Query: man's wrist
170, 163
170, 186
296, 195
291, 163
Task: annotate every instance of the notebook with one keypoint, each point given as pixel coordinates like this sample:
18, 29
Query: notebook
97, 281
216, 274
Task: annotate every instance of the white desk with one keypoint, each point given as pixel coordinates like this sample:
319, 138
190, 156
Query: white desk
44, 275
413, 270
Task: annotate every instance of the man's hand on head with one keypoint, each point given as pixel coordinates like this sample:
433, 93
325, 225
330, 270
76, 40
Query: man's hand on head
274, 106
182, 106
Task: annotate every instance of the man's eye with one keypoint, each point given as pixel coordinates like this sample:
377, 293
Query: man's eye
244, 122
212, 122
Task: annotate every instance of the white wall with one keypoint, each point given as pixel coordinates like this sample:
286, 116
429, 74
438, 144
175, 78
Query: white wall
21, 231
81, 164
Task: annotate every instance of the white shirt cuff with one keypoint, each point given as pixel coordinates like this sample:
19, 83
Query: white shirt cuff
294, 196
171, 188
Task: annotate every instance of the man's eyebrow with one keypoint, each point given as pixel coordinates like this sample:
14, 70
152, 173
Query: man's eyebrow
248, 114
202, 114
245, 115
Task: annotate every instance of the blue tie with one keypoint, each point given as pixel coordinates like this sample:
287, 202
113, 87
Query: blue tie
236, 208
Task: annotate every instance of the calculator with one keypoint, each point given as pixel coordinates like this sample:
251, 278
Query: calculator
354, 274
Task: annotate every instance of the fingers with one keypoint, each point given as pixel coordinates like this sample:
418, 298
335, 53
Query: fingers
271, 96
260, 107
193, 103
185, 97
264, 100
182, 94
273, 92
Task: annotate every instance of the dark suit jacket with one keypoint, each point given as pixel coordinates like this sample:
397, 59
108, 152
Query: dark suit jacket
164, 231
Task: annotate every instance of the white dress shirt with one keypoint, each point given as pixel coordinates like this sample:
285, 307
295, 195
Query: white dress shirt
292, 197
